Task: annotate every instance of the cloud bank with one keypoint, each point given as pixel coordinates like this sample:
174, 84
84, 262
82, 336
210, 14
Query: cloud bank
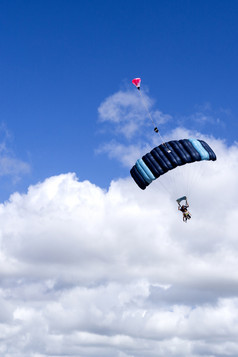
89, 272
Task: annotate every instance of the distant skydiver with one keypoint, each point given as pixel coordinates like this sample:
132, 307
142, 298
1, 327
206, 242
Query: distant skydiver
168, 156
184, 209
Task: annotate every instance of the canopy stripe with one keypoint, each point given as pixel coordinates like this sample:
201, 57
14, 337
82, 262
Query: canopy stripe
168, 156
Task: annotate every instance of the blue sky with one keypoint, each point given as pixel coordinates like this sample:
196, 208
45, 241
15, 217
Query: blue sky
61, 59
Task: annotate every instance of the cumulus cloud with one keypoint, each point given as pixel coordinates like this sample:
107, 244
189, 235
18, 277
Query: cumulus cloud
128, 121
129, 116
92, 272
126, 112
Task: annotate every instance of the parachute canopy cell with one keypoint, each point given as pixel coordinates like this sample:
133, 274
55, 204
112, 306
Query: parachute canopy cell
136, 82
179, 200
168, 156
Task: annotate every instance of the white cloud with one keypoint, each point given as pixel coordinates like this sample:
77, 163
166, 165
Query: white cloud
132, 131
13, 166
88, 272
126, 112
125, 154
10, 165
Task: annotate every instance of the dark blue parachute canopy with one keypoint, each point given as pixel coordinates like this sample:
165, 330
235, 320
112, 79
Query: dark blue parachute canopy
167, 156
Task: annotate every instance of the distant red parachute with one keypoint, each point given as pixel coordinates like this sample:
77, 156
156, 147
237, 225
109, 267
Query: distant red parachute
136, 82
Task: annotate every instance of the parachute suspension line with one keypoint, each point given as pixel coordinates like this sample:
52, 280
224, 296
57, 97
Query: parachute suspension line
194, 174
169, 183
183, 181
198, 172
155, 127
175, 188
164, 186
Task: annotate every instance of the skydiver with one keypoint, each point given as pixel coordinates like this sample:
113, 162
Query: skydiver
184, 210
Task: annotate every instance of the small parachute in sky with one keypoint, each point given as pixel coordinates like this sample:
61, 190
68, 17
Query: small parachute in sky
136, 82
